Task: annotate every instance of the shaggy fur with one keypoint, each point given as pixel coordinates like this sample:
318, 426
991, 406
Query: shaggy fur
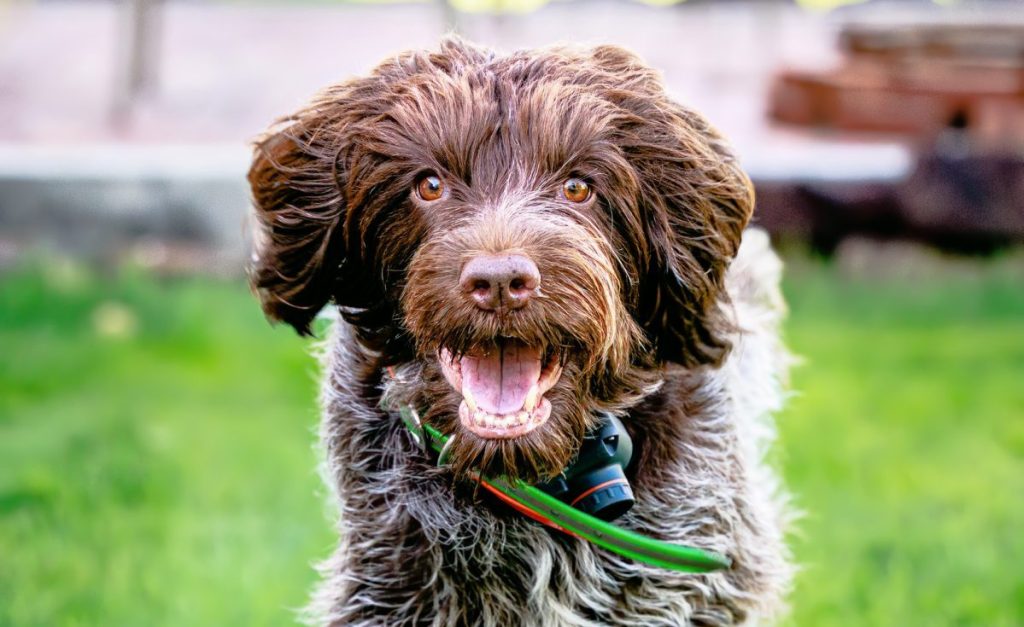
648, 301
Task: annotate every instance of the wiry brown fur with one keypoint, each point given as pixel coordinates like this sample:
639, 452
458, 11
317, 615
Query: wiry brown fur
633, 302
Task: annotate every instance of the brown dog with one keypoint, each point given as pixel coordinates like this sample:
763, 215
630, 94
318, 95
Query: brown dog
525, 242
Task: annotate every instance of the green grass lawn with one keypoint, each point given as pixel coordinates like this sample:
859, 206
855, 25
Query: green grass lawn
156, 460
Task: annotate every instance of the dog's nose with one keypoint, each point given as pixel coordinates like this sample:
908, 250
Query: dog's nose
500, 281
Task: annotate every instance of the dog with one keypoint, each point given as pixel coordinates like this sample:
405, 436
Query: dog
517, 244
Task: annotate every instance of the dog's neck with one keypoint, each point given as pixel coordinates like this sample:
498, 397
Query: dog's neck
581, 499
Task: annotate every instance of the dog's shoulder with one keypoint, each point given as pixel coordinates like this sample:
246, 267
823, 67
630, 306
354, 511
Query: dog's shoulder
754, 279
756, 373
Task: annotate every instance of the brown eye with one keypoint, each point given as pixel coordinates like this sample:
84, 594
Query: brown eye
576, 190
430, 188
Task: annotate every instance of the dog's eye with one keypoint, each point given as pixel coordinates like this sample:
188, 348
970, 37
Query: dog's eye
430, 188
576, 190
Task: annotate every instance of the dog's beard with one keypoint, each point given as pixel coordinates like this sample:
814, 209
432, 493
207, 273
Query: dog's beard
577, 380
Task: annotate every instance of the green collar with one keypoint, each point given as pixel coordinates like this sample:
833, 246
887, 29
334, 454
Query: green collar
552, 512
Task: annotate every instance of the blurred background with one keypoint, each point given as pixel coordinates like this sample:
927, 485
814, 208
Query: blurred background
156, 435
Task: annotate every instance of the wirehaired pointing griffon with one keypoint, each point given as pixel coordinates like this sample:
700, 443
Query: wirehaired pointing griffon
525, 249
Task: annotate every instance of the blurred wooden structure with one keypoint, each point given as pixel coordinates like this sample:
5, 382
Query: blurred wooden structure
916, 80
955, 93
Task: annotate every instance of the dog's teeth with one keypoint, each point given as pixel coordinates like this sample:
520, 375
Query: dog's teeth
553, 376
532, 397
522, 417
468, 397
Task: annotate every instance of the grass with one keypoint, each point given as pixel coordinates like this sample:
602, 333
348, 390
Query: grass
906, 449
156, 462
161, 475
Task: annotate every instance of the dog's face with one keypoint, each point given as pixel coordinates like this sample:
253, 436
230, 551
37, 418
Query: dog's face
541, 231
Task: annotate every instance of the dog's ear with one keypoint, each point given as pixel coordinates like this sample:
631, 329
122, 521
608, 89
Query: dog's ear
693, 203
298, 206
298, 178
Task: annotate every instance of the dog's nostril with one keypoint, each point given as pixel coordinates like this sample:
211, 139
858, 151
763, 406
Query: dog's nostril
500, 281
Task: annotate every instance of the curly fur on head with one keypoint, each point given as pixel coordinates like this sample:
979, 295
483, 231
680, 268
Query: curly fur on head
633, 307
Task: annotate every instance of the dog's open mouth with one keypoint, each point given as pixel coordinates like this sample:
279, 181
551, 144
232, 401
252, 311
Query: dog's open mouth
503, 387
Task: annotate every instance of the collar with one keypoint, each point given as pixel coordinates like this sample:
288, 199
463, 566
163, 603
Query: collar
550, 511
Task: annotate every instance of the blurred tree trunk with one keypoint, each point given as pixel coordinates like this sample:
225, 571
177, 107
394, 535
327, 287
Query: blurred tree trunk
449, 17
138, 49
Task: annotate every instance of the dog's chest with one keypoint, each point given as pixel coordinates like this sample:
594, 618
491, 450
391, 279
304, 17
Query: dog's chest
529, 575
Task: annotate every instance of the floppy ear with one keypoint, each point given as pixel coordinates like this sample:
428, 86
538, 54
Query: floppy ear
694, 203
313, 174
296, 181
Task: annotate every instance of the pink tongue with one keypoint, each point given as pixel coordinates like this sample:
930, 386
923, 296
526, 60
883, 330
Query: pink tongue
500, 380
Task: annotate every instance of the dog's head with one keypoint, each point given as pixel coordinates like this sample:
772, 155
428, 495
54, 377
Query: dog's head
541, 231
